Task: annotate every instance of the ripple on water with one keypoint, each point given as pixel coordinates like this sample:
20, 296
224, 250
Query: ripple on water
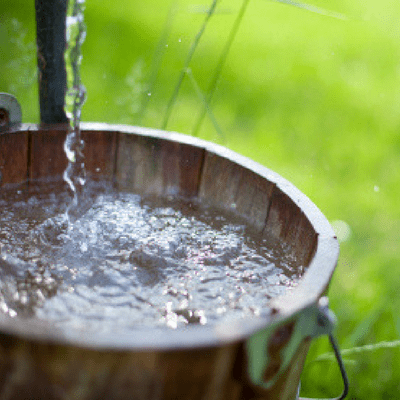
128, 262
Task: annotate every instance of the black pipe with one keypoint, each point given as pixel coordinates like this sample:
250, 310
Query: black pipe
51, 42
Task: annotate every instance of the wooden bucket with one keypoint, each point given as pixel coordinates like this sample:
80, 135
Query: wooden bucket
255, 359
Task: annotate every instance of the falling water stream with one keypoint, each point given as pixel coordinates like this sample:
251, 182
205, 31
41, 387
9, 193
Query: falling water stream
75, 174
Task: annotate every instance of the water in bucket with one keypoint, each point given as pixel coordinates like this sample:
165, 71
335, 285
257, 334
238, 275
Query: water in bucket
127, 262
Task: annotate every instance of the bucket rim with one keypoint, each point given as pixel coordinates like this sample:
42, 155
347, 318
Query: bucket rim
311, 287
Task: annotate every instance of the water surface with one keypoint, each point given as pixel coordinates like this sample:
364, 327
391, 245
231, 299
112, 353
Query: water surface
125, 261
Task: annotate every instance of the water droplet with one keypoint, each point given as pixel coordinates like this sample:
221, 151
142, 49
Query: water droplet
84, 247
376, 188
149, 94
179, 40
81, 180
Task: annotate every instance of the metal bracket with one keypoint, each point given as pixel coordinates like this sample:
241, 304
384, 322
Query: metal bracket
271, 350
10, 110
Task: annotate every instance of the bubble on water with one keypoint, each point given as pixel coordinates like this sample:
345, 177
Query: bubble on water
342, 230
84, 247
53, 231
150, 263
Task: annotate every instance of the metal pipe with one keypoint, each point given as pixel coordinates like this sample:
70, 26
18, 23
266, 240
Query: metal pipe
51, 42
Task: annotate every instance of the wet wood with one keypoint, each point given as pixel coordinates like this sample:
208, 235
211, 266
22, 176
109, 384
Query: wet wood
14, 157
203, 364
159, 167
189, 169
288, 222
139, 165
49, 371
100, 154
229, 186
47, 157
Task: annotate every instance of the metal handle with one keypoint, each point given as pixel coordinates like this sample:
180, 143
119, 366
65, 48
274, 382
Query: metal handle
342, 371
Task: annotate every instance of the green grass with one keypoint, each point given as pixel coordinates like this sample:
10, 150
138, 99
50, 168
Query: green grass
312, 97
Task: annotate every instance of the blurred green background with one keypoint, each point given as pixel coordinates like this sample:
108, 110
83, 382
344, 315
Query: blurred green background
313, 97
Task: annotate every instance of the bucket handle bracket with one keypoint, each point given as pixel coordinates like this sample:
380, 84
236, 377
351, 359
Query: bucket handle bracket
10, 111
270, 351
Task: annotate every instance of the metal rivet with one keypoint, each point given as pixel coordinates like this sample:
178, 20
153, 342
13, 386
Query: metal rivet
4, 117
10, 110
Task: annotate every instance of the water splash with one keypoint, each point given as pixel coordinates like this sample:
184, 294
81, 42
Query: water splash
131, 262
75, 174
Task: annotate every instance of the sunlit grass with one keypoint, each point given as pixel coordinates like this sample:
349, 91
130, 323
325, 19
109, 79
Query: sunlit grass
312, 97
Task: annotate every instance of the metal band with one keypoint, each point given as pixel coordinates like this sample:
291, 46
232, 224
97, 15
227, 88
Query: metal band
311, 322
